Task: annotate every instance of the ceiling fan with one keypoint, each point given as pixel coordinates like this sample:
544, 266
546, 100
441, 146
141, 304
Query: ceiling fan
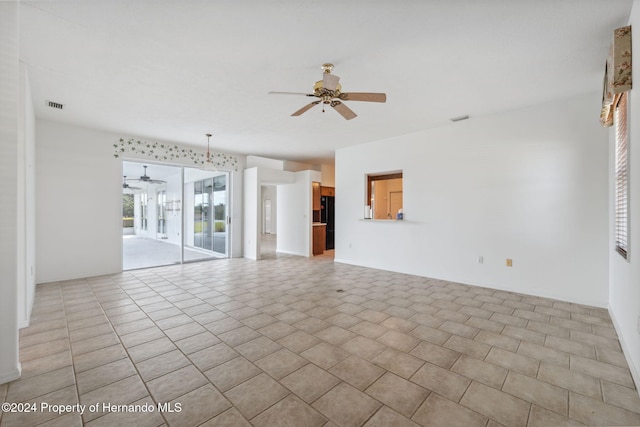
329, 92
146, 179
126, 186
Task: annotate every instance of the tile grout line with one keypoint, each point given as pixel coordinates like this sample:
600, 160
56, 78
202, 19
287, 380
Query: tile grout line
250, 289
126, 351
57, 389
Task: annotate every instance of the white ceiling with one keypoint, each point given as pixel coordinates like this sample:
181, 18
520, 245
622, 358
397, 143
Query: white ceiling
175, 70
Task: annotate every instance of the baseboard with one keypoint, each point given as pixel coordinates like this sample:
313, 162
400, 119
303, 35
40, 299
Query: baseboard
12, 374
626, 351
291, 253
463, 281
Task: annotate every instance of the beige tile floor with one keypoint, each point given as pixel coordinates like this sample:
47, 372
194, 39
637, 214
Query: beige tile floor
289, 341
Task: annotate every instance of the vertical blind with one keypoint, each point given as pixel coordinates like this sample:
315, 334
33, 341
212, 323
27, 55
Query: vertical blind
622, 177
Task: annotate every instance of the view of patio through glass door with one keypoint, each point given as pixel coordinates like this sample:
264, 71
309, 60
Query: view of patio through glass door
210, 214
172, 214
206, 202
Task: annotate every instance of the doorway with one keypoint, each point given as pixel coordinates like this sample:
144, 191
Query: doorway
268, 235
164, 217
267, 216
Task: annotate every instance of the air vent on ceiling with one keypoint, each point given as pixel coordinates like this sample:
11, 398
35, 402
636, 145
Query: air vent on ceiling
460, 118
56, 105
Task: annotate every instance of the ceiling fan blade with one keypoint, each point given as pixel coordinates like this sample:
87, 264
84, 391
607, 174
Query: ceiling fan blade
330, 81
345, 111
305, 108
364, 96
290, 93
145, 179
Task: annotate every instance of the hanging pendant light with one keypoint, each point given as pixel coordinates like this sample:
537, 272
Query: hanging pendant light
208, 163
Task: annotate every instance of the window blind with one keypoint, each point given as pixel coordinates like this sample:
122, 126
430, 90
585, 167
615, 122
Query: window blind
622, 177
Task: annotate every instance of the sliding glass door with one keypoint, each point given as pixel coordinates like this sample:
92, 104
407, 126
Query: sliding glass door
206, 201
179, 215
201, 211
219, 198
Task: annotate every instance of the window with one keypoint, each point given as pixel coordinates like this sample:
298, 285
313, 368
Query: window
210, 214
384, 195
162, 214
143, 211
622, 176
128, 208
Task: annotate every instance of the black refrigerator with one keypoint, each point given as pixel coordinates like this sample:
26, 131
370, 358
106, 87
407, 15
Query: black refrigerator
327, 216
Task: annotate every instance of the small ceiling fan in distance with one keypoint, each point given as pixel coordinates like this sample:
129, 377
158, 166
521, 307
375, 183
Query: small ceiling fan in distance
126, 186
329, 92
145, 179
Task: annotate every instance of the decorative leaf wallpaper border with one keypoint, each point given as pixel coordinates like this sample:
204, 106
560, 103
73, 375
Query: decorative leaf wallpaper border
170, 152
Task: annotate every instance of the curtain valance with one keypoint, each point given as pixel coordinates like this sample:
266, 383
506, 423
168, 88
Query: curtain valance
617, 73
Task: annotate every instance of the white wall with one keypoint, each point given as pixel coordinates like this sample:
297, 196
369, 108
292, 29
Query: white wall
79, 196
530, 185
291, 166
9, 197
251, 213
236, 201
264, 162
624, 275
328, 175
294, 214
270, 192
26, 248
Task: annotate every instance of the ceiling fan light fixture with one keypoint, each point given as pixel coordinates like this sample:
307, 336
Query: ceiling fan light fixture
327, 67
329, 92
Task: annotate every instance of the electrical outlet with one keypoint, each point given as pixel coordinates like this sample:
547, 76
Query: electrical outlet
480, 259
509, 262
638, 324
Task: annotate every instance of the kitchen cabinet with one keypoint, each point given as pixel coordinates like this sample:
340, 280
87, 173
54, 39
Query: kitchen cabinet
316, 196
328, 191
319, 238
